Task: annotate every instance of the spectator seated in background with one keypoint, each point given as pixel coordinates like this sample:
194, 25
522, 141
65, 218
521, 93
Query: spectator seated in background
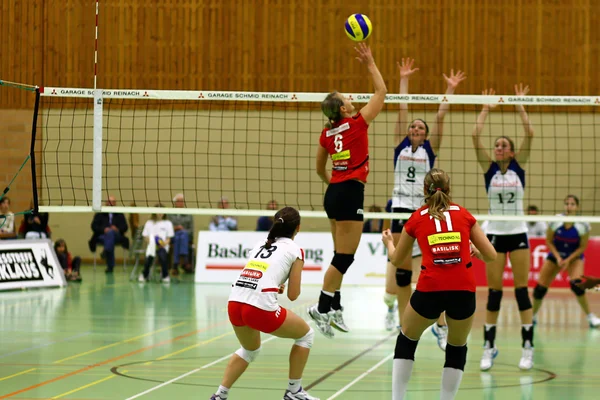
35, 226
7, 221
264, 224
69, 265
373, 225
183, 225
109, 229
158, 232
223, 223
536, 229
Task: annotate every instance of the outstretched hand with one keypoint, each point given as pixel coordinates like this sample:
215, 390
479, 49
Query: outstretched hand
453, 80
489, 92
406, 68
364, 54
520, 90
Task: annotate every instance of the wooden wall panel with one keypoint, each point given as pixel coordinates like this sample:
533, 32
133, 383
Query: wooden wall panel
299, 45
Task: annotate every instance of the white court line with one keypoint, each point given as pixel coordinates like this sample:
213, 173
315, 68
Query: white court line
358, 378
152, 389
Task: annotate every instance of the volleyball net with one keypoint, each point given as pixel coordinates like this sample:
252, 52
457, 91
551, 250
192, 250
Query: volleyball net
146, 146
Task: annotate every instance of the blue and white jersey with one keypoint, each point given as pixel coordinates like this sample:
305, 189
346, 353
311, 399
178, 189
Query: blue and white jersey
505, 193
410, 169
567, 240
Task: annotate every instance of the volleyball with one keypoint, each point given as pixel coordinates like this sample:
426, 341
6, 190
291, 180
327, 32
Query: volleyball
358, 27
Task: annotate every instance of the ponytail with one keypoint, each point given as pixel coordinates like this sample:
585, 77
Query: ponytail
331, 108
285, 223
437, 193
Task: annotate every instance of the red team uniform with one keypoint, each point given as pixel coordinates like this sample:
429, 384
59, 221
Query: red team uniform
348, 144
446, 248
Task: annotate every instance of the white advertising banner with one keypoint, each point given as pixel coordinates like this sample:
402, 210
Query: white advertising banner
29, 263
220, 256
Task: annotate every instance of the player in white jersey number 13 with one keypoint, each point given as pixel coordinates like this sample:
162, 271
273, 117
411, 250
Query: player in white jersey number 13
414, 155
505, 187
253, 306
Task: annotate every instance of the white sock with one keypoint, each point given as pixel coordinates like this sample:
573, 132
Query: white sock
389, 300
451, 378
222, 392
328, 293
294, 385
401, 372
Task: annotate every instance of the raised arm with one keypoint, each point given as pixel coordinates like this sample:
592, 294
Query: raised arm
483, 158
523, 155
375, 105
406, 70
437, 130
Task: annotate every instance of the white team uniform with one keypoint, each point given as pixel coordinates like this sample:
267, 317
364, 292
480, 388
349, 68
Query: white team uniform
505, 193
265, 272
410, 169
162, 229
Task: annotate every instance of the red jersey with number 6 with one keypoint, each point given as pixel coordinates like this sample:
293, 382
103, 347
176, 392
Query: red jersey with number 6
446, 249
347, 143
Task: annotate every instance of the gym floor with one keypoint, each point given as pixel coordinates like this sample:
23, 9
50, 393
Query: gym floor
108, 338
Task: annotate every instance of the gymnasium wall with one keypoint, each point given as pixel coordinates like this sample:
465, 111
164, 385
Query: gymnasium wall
298, 45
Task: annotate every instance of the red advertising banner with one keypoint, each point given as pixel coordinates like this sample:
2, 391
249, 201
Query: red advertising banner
538, 253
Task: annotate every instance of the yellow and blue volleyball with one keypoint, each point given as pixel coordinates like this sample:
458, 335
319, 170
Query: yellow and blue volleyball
358, 27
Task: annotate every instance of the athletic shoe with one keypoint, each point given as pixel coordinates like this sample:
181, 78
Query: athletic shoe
166, 279
487, 359
299, 395
441, 333
593, 320
337, 321
390, 318
526, 362
141, 278
217, 397
323, 321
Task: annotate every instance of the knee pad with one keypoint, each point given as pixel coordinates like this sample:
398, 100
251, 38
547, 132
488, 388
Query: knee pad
342, 262
306, 340
248, 355
389, 299
523, 300
405, 348
494, 299
539, 292
456, 357
576, 289
403, 277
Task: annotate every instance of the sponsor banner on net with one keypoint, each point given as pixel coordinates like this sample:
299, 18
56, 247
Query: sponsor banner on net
221, 256
29, 263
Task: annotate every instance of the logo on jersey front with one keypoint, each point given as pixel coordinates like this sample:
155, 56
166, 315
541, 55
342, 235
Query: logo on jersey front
343, 155
448, 237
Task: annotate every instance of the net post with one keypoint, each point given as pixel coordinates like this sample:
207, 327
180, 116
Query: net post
32, 151
97, 153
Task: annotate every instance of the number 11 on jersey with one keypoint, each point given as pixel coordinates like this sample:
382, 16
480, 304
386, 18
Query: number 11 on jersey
438, 224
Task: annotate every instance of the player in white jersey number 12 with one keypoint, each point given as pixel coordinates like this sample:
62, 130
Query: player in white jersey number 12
253, 306
505, 187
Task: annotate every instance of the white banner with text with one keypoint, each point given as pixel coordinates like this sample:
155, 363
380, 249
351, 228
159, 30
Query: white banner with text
220, 256
29, 263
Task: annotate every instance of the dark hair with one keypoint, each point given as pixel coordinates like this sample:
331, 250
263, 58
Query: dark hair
510, 142
437, 189
285, 223
331, 108
154, 216
424, 123
4, 200
532, 208
575, 198
60, 242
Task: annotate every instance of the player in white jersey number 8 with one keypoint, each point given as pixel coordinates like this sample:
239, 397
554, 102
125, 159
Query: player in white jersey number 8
414, 155
253, 306
505, 187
